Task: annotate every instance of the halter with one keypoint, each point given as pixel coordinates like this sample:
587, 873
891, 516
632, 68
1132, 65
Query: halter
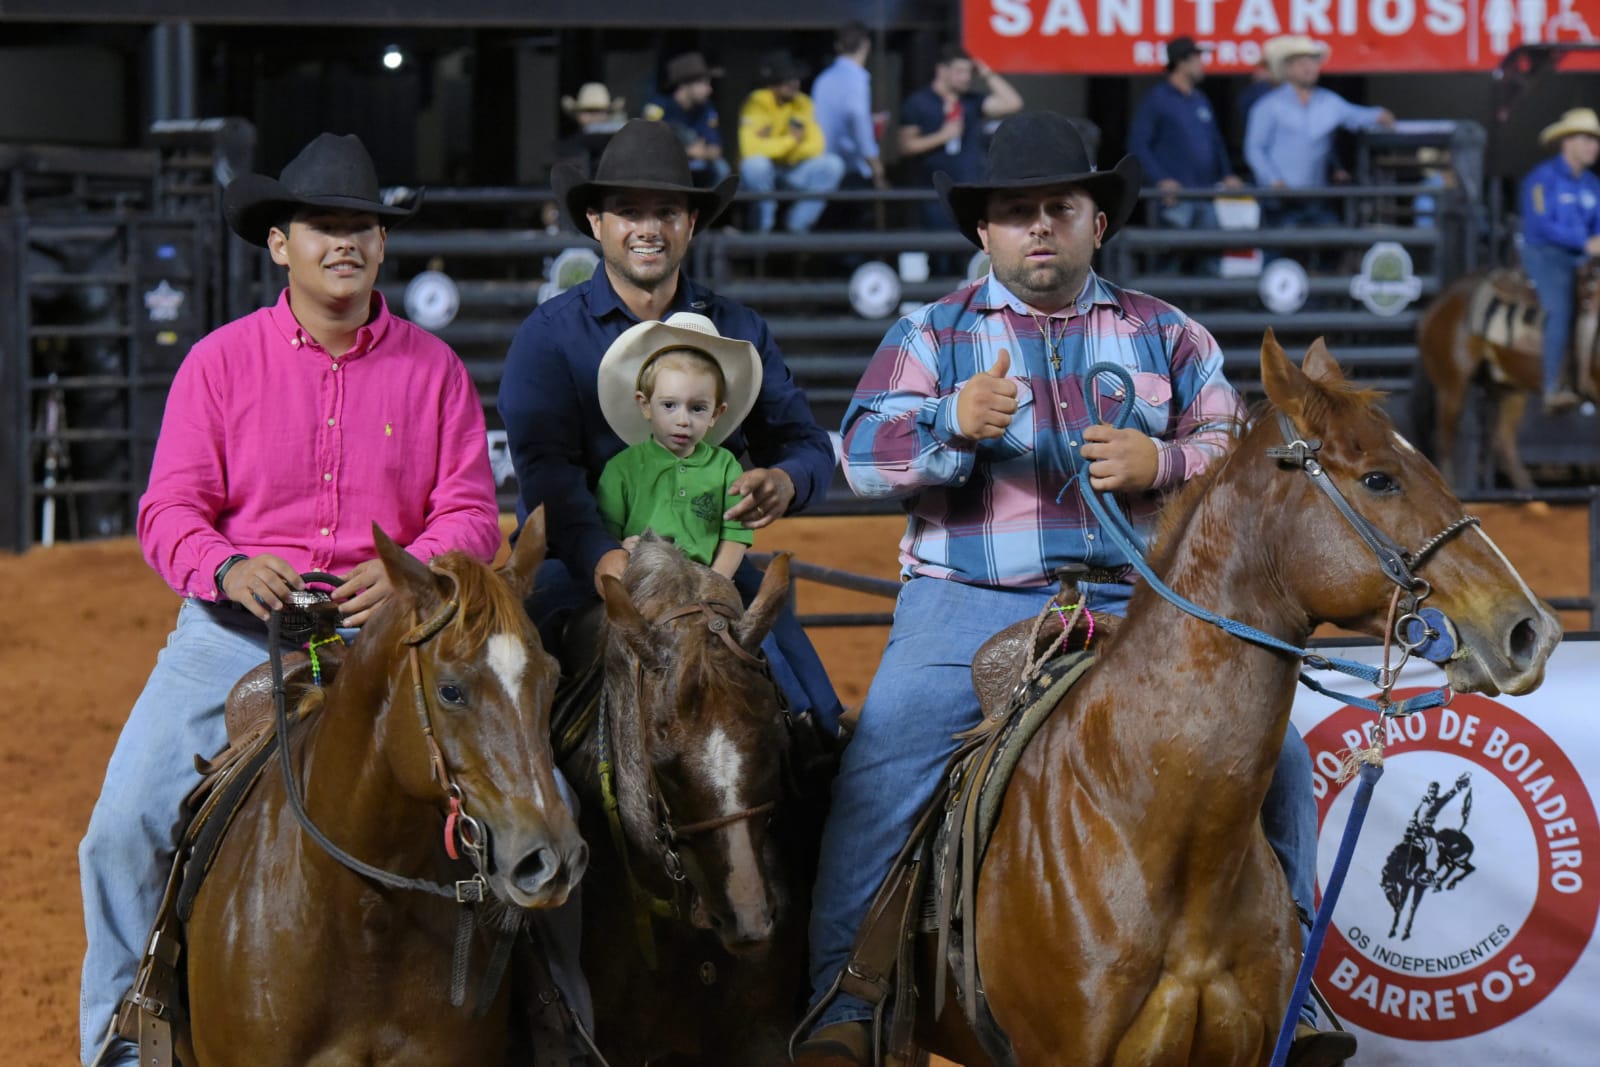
668, 835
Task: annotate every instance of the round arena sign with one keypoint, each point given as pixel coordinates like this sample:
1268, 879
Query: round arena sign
1419, 949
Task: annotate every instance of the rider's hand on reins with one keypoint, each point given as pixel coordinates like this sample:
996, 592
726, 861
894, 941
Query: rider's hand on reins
260, 584
1123, 461
987, 402
365, 589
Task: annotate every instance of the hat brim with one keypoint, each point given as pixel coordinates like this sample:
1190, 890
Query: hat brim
577, 194
1551, 134
618, 376
254, 203
1115, 191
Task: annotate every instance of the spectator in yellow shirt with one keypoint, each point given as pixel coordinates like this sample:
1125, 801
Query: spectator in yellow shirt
780, 144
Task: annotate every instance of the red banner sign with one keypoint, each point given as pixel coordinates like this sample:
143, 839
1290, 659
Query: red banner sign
1393, 36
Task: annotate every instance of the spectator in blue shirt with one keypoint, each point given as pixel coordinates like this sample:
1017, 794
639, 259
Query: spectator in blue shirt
1176, 139
842, 96
686, 107
941, 126
1288, 139
1560, 230
643, 208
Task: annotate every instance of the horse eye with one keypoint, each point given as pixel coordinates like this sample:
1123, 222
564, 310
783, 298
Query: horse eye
452, 694
1379, 482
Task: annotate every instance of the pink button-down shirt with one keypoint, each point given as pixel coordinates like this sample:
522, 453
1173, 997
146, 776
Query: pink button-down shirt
272, 444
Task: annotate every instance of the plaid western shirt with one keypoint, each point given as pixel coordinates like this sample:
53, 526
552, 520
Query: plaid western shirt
988, 513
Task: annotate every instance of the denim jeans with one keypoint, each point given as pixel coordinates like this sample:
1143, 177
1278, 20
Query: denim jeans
1553, 272
819, 174
133, 834
1188, 215
921, 695
796, 667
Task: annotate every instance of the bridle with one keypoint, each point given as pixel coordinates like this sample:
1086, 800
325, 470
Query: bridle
667, 834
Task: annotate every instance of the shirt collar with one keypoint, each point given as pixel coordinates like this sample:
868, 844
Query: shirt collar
603, 300
662, 455
367, 338
995, 296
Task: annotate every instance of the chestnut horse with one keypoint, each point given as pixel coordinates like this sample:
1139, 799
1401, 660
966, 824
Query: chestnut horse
1129, 910
295, 958
1485, 331
692, 943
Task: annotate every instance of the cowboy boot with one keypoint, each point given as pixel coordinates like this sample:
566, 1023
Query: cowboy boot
846, 1044
1320, 1048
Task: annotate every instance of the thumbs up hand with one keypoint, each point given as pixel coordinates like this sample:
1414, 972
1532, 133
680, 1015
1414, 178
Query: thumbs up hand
986, 403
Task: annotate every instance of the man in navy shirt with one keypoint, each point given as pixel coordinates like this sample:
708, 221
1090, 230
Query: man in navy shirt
941, 126
1176, 139
1560, 230
686, 107
644, 208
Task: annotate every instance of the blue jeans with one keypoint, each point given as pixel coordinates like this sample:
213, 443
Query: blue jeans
796, 667
921, 695
1553, 272
819, 174
1189, 215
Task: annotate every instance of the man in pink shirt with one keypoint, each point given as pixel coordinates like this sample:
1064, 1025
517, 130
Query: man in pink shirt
287, 434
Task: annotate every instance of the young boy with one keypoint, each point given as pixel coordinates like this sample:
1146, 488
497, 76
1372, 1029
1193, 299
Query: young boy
673, 390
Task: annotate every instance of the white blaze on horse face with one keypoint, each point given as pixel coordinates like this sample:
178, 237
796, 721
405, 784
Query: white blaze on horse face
1514, 572
725, 765
1405, 446
508, 658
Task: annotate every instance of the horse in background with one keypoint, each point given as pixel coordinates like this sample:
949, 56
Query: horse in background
1485, 331
439, 711
1129, 909
696, 900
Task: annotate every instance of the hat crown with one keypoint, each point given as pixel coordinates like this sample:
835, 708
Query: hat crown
592, 96
688, 67
1034, 146
645, 152
692, 320
332, 165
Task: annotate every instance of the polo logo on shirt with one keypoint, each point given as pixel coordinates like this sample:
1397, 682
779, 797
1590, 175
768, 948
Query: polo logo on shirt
705, 507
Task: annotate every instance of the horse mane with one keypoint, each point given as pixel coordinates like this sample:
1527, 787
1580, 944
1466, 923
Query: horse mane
487, 604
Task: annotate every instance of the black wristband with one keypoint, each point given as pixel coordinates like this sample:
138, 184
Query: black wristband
223, 569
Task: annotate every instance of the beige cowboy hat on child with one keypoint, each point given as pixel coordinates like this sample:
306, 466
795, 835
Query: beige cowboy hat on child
1279, 50
1576, 120
593, 96
623, 362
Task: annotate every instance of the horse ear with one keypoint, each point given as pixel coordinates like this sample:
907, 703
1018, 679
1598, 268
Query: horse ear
1320, 366
527, 555
1286, 385
758, 618
626, 620
405, 570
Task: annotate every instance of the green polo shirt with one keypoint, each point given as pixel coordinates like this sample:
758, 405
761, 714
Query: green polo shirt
646, 487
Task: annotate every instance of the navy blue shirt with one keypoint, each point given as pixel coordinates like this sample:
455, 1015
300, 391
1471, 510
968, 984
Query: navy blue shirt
1175, 135
560, 442
697, 123
924, 109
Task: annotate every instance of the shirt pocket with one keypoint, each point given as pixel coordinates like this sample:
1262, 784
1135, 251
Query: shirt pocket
1152, 404
1019, 438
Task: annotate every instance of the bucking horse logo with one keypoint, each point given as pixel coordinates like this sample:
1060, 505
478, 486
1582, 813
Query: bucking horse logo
1427, 856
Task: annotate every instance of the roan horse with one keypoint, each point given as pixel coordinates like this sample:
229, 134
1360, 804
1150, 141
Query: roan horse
1129, 909
692, 868
1485, 331
294, 958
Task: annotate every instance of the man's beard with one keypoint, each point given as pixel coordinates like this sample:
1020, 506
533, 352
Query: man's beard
1062, 281
624, 267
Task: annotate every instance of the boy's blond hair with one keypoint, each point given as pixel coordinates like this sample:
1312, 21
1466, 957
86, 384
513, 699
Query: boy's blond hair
680, 359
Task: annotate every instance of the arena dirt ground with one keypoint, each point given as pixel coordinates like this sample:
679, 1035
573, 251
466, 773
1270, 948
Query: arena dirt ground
87, 620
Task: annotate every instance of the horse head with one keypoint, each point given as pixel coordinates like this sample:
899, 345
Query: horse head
705, 735
1331, 566
465, 726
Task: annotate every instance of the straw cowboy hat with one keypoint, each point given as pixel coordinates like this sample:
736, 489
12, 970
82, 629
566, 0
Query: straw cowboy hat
331, 172
641, 155
1576, 120
1035, 149
625, 360
593, 96
1279, 50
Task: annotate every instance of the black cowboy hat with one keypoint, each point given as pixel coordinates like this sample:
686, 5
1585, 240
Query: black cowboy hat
1036, 149
778, 66
331, 172
641, 155
688, 67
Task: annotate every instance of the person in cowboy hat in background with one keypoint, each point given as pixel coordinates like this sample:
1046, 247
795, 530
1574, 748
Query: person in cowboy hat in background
643, 207
686, 106
673, 391
598, 115
1560, 231
287, 435
962, 415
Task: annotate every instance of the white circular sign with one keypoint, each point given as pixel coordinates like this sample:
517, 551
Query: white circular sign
573, 267
432, 300
874, 290
1284, 286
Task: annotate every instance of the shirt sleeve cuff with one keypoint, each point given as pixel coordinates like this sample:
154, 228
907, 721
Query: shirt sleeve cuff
938, 414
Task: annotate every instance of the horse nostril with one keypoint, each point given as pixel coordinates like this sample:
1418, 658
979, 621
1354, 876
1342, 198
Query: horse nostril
535, 870
1524, 642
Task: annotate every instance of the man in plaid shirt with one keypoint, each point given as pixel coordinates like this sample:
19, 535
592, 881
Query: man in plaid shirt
972, 412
